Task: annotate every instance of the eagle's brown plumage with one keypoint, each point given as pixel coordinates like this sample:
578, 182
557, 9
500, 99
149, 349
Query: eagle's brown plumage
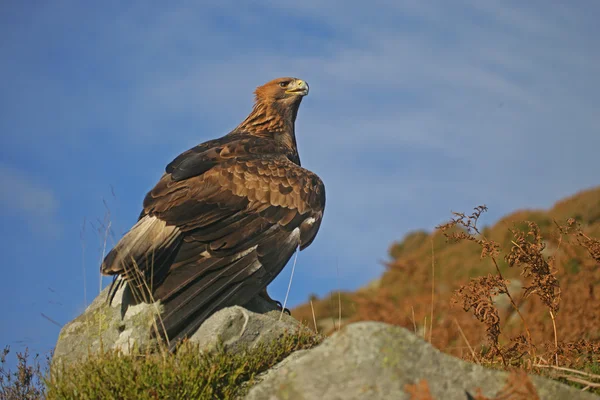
225, 218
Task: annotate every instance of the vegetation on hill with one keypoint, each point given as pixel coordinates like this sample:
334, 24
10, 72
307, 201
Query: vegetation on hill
522, 293
186, 374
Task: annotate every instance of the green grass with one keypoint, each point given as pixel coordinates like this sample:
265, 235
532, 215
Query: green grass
185, 374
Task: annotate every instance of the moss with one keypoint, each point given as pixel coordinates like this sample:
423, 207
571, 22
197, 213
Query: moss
392, 347
98, 320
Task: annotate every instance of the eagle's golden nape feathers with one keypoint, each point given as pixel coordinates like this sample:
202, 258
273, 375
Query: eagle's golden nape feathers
225, 218
275, 110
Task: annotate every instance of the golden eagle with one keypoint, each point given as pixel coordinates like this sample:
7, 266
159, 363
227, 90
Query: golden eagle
225, 218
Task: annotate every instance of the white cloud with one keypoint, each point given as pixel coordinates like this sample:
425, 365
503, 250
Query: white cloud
24, 196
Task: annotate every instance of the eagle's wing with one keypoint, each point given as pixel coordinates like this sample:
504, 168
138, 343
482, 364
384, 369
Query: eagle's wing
219, 236
199, 159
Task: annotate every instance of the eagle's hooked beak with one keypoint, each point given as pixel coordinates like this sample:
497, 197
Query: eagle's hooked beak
298, 87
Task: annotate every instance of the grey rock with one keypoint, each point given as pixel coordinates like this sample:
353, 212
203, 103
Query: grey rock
370, 360
238, 328
125, 325
122, 325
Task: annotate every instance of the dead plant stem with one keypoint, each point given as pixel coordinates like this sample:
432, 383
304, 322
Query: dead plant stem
514, 305
432, 290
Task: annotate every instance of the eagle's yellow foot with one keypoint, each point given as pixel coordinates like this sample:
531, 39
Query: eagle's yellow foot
263, 293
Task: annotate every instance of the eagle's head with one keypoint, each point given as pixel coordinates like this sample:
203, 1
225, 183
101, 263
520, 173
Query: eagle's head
275, 109
287, 90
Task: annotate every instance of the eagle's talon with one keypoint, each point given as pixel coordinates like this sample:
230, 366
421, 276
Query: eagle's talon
277, 303
280, 306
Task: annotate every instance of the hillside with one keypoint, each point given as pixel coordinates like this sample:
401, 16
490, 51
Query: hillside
561, 270
522, 293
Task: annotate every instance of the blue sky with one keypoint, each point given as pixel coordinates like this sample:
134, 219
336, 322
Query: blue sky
416, 109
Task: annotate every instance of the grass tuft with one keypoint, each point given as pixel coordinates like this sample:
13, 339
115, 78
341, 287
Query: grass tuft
184, 374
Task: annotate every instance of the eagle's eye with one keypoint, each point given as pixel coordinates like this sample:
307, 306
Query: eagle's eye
283, 84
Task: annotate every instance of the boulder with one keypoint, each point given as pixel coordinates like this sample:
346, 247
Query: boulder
239, 328
371, 360
124, 325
